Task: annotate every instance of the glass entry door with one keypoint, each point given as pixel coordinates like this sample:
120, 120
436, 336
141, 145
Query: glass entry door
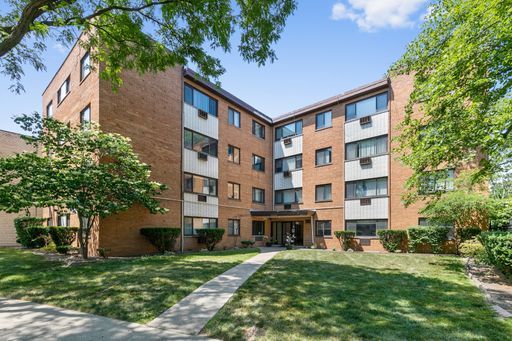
280, 229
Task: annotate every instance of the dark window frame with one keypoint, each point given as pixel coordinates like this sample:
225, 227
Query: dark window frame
256, 226
209, 144
254, 189
232, 233
239, 154
210, 98
254, 164
322, 114
256, 124
61, 97
370, 196
232, 112
82, 112
194, 228
49, 106
82, 76
297, 189
364, 140
280, 136
367, 222
377, 111
322, 150
200, 193
279, 169
323, 185
231, 196
320, 223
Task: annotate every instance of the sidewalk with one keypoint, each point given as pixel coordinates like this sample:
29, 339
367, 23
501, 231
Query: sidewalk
191, 314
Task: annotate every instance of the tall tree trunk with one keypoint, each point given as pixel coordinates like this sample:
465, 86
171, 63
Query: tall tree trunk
83, 235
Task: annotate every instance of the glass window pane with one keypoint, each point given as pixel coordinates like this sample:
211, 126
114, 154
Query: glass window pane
189, 95
188, 139
366, 107
350, 111
382, 102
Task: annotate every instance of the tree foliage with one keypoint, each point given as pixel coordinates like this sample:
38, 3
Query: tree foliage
142, 35
462, 67
87, 171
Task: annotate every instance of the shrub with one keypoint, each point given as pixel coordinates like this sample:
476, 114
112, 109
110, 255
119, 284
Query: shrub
210, 237
434, 236
467, 233
163, 238
38, 236
247, 243
498, 249
63, 237
472, 248
392, 240
26, 238
345, 238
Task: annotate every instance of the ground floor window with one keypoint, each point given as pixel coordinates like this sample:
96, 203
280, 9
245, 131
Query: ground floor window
193, 223
258, 228
234, 227
63, 220
366, 228
323, 228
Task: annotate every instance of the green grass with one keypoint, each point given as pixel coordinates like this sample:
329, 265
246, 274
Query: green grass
135, 290
324, 295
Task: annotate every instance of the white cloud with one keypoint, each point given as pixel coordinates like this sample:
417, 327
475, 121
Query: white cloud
371, 15
60, 47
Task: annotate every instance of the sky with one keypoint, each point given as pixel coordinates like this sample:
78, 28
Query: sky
327, 47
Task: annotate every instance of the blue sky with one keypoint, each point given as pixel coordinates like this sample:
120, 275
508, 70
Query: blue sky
327, 47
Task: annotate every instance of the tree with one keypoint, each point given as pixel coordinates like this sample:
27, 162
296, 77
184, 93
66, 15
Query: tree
142, 35
82, 169
461, 62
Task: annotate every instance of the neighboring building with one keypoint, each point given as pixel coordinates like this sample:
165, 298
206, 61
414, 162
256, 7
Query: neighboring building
320, 169
11, 144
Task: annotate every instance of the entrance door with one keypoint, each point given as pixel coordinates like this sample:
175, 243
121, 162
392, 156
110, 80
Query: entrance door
280, 229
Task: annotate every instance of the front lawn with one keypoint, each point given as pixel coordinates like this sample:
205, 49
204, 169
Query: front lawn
136, 290
311, 294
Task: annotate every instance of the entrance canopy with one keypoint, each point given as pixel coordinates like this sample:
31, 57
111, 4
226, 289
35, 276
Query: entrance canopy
284, 213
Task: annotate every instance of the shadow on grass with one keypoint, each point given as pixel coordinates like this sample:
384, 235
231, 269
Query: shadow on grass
131, 290
321, 299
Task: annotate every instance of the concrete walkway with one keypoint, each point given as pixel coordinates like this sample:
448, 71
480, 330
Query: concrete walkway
20, 320
191, 314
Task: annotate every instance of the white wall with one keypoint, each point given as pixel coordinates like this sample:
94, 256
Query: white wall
377, 210
208, 127
282, 150
354, 131
194, 208
294, 181
379, 168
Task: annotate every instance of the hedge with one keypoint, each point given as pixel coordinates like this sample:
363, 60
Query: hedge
30, 232
63, 237
434, 236
210, 237
467, 233
163, 238
393, 240
247, 243
498, 249
345, 238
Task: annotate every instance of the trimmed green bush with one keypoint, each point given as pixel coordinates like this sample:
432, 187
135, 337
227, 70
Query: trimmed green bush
472, 248
38, 236
345, 238
31, 238
63, 237
247, 243
433, 236
210, 237
467, 233
163, 238
498, 249
393, 240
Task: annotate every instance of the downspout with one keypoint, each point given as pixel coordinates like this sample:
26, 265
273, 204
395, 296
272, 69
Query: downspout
182, 218
312, 230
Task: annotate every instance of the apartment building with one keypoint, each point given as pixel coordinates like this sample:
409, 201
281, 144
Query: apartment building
311, 172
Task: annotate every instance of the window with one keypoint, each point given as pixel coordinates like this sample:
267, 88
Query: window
193, 223
233, 191
258, 163
288, 163
324, 120
323, 193
233, 154
200, 184
85, 66
323, 156
367, 107
323, 228
63, 220
437, 181
367, 148
290, 129
258, 228
233, 118
288, 196
366, 228
366, 188
63, 90
258, 195
85, 116
200, 100
258, 129
49, 110
233, 227
200, 143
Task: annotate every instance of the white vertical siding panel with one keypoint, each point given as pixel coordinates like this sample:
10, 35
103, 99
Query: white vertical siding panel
377, 210
192, 164
294, 181
379, 168
194, 208
379, 126
282, 150
208, 127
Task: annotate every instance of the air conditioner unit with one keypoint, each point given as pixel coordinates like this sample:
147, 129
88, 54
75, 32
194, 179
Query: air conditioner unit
287, 174
201, 198
202, 114
287, 141
365, 161
202, 156
366, 201
287, 206
365, 120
